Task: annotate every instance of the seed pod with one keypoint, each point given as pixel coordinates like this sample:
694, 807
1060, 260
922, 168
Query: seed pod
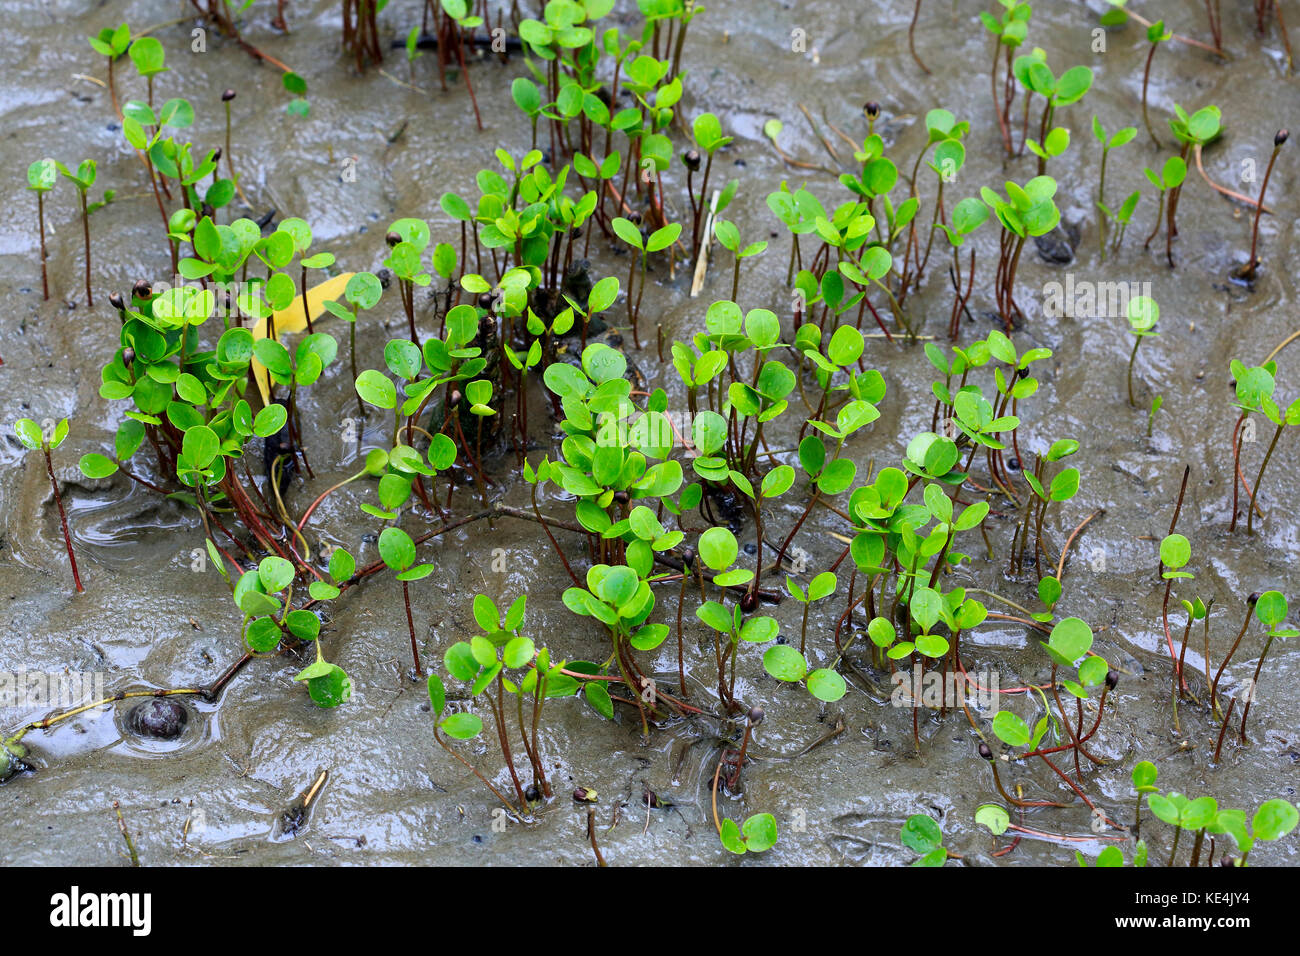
532, 794
584, 795
985, 752
161, 718
485, 300
116, 301
392, 239
128, 356
217, 154
142, 289
756, 715
872, 109
227, 96
634, 218
748, 602
1253, 599
1280, 138
688, 557
692, 160
1112, 679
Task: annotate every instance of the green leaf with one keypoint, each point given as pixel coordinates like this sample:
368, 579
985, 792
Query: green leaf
994, 817
826, 685
270, 420
462, 726
760, 832
921, 834
1274, 820
598, 697
437, 695
785, 663
94, 465
1010, 729
396, 549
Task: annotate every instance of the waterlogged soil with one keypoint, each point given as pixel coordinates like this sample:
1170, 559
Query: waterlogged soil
225, 792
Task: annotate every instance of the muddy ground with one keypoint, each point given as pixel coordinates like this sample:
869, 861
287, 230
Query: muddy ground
147, 620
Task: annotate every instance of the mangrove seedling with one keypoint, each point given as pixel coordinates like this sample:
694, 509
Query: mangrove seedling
1109, 142
822, 586
398, 552
1227, 659
1029, 211
1271, 609
83, 179
1156, 34
658, 240
1272, 821
363, 291
1175, 553
111, 43
1143, 314
41, 176
729, 236
1248, 269
33, 438
1183, 814
1169, 178
1144, 782
1036, 76
1193, 132
707, 133
459, 12
789, 666
1009, 32
483, 663
1255, 394
756, 835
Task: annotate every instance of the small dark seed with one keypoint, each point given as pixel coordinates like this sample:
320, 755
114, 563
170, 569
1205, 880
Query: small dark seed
1280, 138
392, 239
227, 96
532, 794
161, 718
756, 715
985, 752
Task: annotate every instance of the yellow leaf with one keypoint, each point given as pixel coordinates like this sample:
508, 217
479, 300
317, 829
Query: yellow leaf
294, 319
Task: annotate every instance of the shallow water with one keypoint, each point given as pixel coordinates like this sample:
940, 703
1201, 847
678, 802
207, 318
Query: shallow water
148, 620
